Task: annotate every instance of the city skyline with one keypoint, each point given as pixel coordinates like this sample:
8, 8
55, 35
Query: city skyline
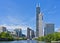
22, 13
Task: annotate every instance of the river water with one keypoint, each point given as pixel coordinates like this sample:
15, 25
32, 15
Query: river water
22, 41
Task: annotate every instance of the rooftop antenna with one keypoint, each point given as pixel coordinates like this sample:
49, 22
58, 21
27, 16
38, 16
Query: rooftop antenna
38, 4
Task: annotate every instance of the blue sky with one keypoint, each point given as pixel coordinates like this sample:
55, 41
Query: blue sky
22, 13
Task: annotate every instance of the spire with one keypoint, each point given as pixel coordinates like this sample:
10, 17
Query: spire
38, 8
38, 4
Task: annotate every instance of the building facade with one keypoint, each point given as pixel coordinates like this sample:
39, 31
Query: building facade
39, 22
30, 33
3, 29
48, 29
18, 32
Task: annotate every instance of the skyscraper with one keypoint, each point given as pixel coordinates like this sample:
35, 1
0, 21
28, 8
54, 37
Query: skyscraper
18, 32
48, 29
32, 34
39, 22
28, 33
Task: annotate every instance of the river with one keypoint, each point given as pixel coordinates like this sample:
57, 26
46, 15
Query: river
22, 41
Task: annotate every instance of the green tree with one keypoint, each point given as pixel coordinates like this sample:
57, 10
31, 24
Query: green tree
6, 35
50, 37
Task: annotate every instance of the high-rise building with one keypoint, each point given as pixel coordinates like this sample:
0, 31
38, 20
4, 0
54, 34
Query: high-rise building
28, 33
39, 22
48, 29
32, 34
18, 32
3, 29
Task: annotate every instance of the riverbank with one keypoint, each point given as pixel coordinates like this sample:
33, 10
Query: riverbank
6, 39
55, 41
4, 36
22, 41
12, 39
50, 37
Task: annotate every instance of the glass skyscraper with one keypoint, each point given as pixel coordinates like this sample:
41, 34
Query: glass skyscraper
48, 29
39, 22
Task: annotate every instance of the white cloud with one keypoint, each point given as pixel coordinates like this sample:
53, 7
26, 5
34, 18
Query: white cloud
12, 27
57, 29
12, 22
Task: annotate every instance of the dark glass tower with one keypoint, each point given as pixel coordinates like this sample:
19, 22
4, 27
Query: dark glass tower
39, 22
37, 18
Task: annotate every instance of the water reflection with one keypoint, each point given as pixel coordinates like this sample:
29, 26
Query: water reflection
34, 41
31, 41
24, 41
42, 42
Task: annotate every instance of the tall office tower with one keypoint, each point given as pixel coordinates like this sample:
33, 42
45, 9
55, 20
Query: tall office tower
3, 29
39, 22
18, 32
28, 33
32, 34
48, 29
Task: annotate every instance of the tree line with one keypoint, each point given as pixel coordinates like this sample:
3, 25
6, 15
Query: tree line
50, 37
